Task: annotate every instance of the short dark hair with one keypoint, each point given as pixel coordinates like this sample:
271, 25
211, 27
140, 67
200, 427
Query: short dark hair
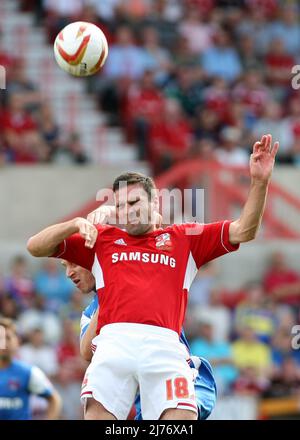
132, 178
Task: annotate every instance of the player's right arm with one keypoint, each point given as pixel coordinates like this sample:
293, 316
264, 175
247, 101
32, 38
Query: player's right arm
46, 243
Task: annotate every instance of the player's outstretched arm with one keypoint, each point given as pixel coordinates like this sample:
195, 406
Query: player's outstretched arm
261, 166
46, 242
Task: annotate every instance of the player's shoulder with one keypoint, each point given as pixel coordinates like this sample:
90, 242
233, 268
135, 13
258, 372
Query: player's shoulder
20, 367
189, 228
91, 307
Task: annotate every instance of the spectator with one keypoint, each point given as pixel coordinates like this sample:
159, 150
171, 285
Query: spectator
249, 352
197, 32
222, 59
281, 282
286, 382
278, 65
287, 28
19, 284
38, 316
231, 153
257, 313
202, 285
36, 351
170, 139
218, 353
51, 283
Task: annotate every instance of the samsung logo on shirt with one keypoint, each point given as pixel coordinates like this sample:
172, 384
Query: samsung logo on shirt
144, 257
11, 403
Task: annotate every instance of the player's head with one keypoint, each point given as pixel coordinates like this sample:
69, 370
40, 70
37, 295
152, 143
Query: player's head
8, 339
136, 202
82, 278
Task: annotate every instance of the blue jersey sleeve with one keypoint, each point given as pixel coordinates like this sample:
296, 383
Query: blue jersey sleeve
87, 315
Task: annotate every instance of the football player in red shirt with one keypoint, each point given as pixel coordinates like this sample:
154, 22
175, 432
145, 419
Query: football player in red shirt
142, 279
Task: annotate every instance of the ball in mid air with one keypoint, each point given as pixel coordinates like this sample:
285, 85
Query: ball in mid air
81, 48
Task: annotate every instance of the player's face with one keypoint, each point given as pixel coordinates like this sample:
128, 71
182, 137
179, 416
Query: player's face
10, 344
134, 209
82, 278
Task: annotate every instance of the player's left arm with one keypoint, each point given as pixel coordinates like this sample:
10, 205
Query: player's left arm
40, 385
261, 166
54, 405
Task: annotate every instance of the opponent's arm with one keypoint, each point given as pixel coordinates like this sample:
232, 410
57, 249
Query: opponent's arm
261, 166
88, 336
46, 242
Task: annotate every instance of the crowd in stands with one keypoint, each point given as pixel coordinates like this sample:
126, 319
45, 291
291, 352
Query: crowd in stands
245, 334
184, 78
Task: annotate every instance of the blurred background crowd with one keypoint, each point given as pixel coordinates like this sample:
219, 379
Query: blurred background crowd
245, 334
184, 79
189, 78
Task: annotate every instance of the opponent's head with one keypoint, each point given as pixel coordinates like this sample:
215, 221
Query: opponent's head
82, 278
136, 202
8, 340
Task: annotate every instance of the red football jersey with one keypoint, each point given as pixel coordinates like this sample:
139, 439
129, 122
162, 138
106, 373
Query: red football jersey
145, 279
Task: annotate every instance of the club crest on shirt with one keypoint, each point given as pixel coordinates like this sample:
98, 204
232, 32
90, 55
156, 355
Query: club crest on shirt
14, 384
163, 242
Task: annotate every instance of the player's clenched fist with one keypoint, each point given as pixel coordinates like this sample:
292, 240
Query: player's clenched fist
87, 231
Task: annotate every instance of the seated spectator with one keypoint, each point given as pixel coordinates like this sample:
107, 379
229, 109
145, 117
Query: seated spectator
278, 65
248, 55
282, 349
144, 105
218, 353
198, 33
252, 92
216, 97
20, 84
286, 382
19, 284
51, 283
207, 125
282, 282
187, 87
249, 383
272, 122
36, 351
157, 58
39, 316
216, 314
170, 138
70, 151
230, 153
249, 352
59, 13
257, 313
287, 28
49, 129
222, 59
16, 125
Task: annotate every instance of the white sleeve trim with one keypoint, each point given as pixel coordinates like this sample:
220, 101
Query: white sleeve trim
222, 241
38, 382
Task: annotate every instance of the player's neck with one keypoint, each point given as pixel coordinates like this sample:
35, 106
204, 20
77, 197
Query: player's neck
5, 362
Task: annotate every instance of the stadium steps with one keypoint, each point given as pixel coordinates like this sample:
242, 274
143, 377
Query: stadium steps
74, 108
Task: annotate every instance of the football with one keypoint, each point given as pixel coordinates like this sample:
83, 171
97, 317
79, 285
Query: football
81, 48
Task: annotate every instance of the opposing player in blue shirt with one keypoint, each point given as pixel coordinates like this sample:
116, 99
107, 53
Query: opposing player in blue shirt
205, 387
19, 380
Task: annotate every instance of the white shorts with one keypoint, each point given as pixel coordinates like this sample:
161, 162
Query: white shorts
131, 357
